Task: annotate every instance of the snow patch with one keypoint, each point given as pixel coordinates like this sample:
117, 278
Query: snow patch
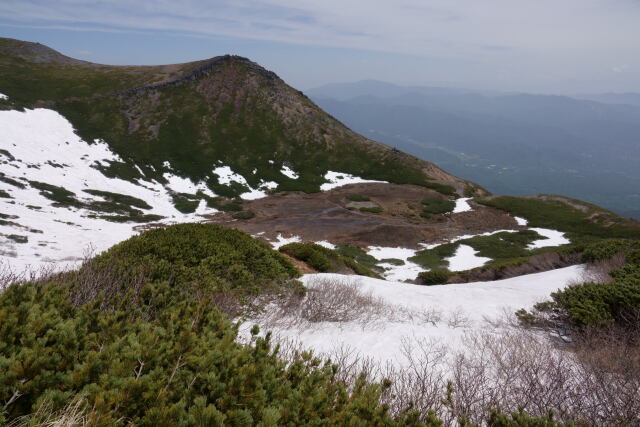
408, 271
551, 238
338, 179
281, 241
465, 258
179, 184
326, 244
462, 205
520, 221
287, 171
43, 147
3, 96
226, 176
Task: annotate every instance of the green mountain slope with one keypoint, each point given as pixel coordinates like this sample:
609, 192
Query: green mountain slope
223, 111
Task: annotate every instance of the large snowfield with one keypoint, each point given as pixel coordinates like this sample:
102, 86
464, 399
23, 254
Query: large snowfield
440, 315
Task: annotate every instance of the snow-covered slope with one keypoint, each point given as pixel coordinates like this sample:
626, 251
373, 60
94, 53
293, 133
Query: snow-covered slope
47, 215
441, 315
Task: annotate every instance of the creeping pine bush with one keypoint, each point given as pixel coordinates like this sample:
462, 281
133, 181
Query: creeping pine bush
616, 302
180, 367
208, 257
325, 259
177, 362
435, 205
436, 276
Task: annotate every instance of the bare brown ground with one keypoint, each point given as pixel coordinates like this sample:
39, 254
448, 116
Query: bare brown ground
324, 216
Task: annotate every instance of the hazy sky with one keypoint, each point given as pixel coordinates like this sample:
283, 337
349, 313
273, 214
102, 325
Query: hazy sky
552, 46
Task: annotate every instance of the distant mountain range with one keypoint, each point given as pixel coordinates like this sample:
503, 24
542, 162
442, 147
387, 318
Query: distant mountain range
511, 143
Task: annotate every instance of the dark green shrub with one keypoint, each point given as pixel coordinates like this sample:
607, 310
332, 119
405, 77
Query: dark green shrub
206, 257
325, 259
599, 304
521, 419
375, 210
181, 366
56, 194
244, 215
435, 258
447, 190
606, 249
232, 206
120, 198
564, 217
314, 255
356, 253
185, 203
503, 245
358, 198
435, 205
436, 276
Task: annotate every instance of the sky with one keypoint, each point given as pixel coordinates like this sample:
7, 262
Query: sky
538, 46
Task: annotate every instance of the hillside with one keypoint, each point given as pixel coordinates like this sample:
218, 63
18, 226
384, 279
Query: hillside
225, 110
92, 154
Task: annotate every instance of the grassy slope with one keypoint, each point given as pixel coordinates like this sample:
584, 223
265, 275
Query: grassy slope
581, 221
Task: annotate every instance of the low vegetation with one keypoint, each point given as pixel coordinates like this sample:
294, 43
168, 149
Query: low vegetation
373, 209
580, 220
436, 276
435, 258
326, 260
509, 252
436, 205
243, 215
358, 255
358, 198
609, 296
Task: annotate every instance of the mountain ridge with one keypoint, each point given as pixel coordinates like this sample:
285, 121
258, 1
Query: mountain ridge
228, 89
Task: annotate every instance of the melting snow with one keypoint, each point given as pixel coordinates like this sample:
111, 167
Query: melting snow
453, 310
326, 244
338, 179
43, 147
3, 96
462, 205
281, 241
287, 171
520, 221
226, 176
552, 238
465, 258
408, 271
179, 184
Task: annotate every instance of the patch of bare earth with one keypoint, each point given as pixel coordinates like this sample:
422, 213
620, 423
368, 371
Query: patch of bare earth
326, 216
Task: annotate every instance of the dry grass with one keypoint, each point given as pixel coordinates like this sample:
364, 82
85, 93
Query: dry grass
74, 414
510, 371
593, 381
344, 301
598, 272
